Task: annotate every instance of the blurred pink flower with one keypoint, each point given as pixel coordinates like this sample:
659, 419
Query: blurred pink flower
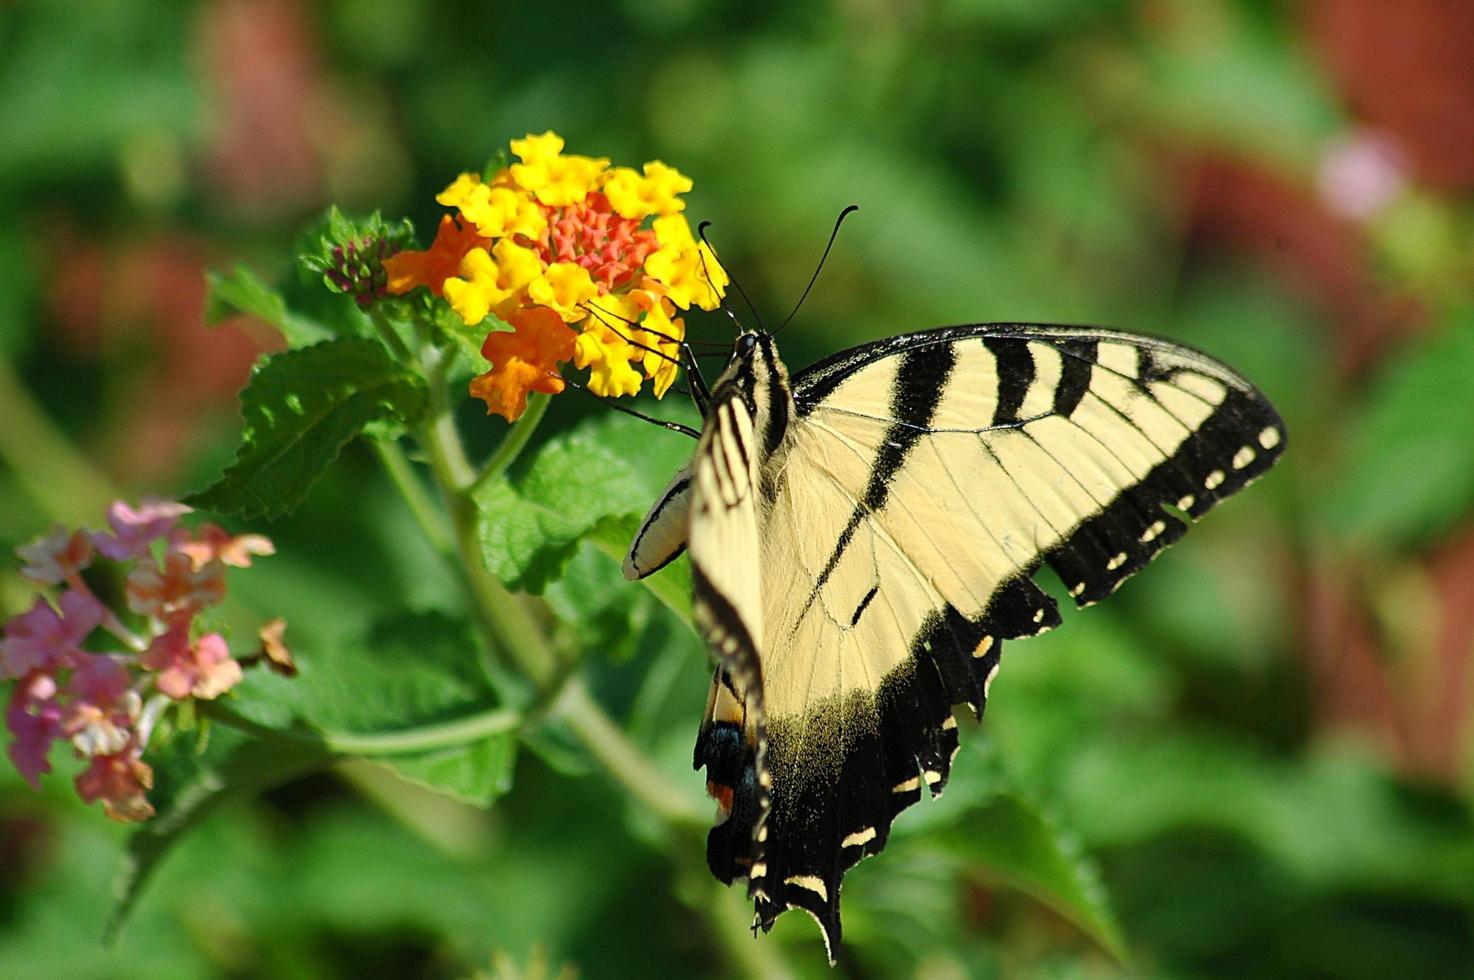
62, 552
211, 542
120, 780
103, 710
204, 670
1362, 173
177, 590
42, 639
34, 719
135, 530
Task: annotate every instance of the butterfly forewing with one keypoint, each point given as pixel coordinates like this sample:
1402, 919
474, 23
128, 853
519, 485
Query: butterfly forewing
859, 562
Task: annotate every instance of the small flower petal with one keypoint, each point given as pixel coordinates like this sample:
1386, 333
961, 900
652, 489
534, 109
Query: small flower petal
565, 288
44, 639
432, 267
135, 530
120, 781
62, 552
278, 657
100, 717
176, 589
523, 360
34, 720
638, 196
212, 542
204, 669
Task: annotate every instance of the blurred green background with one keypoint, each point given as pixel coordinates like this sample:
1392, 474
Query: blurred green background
1263, 744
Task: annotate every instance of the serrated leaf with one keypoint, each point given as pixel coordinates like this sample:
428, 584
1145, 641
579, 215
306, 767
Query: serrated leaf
241, 291
610, 468
1017, 843
300, 408
410, 670
1410, 467
190, 785
1007, 835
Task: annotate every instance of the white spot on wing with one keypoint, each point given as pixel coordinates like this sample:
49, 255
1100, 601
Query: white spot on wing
1243, 457
1186, 503
984, 645
988, 681
1269, 438
1116, 562
932, 778
1214, 480
1150, 534
859, 838
812, 883
906, 786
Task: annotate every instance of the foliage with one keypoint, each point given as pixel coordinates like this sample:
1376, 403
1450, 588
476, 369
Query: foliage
1253, 761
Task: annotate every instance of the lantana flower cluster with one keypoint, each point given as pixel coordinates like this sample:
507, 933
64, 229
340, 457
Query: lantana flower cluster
586, 262
84, 675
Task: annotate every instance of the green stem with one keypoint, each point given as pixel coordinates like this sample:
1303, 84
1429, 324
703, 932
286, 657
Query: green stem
522, 641
514, 441
624, 761
62, 483
447, 457
429, 519
390, 335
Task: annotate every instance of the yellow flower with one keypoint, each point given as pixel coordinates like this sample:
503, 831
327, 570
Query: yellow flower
687, 271
460, 190
488, 285
657, 192
662, 367
532, 149
503, 211
555, 179
565, 287
495, 209
607, 356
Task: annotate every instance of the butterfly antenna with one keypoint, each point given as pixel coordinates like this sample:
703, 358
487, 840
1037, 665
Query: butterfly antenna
664, 424
849, 210
687, 360
701, 233
601, 314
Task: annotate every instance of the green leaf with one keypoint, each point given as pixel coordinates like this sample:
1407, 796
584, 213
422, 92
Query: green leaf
1410, 466
242, 292
300, 409
412, 695
594, 600
1012, 839
671, 585
611, 468
411, 669
477, 773
190, 785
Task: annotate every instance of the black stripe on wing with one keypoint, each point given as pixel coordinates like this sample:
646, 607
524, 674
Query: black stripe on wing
1238, 442
1235, 445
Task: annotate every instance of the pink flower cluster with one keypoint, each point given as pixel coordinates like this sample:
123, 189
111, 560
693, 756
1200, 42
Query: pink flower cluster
106, 702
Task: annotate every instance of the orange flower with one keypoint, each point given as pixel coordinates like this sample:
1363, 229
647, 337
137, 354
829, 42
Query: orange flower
523, 361
439, 262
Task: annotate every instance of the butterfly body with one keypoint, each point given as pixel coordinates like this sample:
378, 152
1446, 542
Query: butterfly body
864, 536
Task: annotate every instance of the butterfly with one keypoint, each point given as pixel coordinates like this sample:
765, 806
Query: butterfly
864, 535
